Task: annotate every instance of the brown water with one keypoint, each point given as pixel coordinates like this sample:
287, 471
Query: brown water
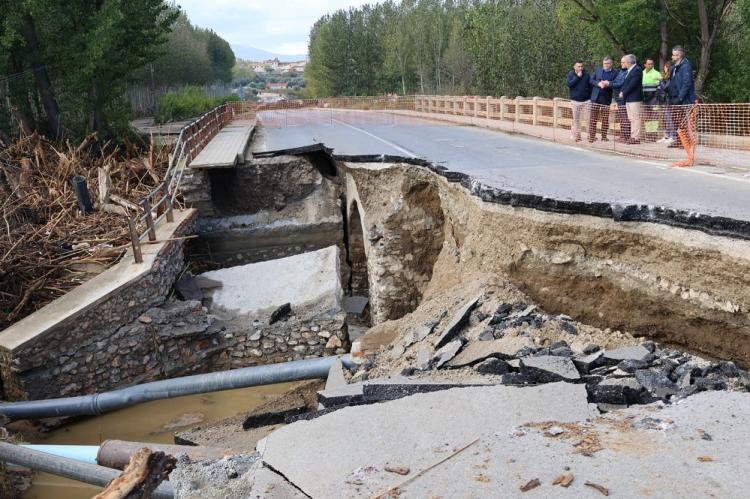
150, 422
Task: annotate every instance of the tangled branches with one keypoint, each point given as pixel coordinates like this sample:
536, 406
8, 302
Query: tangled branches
47, 246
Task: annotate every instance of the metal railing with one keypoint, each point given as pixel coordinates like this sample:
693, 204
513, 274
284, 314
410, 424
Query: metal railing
158, 204
715, 134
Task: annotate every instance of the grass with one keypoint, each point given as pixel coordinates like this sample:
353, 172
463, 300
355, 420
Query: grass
189, 102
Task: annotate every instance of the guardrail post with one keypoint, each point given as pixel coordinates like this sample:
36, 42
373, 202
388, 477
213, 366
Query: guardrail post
489, 113
146, 207
518, 108
137, 255
535, 111
555, 111
168, 202
503, 107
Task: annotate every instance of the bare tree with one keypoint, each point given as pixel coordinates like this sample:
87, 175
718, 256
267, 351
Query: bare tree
711, 17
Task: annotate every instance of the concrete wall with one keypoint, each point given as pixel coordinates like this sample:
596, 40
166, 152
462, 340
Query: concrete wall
264, 209
62, 352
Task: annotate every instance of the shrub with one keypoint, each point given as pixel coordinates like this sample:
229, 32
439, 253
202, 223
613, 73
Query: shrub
190, 102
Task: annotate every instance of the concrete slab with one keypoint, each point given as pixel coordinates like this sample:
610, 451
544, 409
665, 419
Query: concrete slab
270, 485
626, 353
310, 280
226, 149
696, 448
415, 432
355, 304
479, 350
348, 394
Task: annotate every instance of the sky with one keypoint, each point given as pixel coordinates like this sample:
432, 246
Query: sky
278, 26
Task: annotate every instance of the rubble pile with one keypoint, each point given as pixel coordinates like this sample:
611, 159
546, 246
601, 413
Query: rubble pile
503, 348
47, 245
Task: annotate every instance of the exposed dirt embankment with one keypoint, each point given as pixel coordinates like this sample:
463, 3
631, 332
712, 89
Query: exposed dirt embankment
678, 286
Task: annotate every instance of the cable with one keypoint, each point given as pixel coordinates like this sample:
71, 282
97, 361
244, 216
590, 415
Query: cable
17, 76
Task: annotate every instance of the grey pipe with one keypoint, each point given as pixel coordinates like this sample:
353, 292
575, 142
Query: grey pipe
69, 468
99, 403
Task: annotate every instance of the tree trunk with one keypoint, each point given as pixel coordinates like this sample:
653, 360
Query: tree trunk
664, 55
707, 37
43, 83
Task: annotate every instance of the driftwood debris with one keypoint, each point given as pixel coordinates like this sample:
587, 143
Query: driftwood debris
45, 242
145, 471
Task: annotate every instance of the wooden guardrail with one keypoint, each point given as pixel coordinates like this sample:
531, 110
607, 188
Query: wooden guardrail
158, 204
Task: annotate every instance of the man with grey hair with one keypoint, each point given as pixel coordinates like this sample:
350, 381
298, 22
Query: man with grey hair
601, 98
631, 93
681, 91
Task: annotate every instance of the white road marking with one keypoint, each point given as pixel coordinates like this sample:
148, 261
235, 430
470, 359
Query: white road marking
386, 142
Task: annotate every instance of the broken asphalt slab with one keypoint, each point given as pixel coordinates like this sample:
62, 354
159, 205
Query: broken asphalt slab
382, 389
415, 431
457, 322
477, 351
626, 353
547, 368
695, 448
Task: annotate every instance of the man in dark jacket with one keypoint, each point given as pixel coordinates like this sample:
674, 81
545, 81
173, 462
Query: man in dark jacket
632, 94
579, 85
681, 90
622, 114
601, 98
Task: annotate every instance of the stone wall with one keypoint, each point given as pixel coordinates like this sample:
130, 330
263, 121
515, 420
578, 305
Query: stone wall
179, 338
91, 352
139, 335
402, 225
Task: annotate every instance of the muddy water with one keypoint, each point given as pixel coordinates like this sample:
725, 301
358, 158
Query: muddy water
150, 422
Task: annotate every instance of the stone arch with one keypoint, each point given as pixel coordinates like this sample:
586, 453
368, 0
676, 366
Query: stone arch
359, 281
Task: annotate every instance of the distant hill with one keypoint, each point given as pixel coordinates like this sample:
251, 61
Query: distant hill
256, 54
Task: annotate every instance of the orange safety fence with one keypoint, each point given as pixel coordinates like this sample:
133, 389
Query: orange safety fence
711, 134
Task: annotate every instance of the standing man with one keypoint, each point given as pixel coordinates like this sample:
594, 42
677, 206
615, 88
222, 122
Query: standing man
579, 86
601, 98
632, 94
651, 79
681, 91
622, 114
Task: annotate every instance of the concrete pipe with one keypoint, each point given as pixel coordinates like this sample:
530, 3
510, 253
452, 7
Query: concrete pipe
99, 403
117, 453
68, 468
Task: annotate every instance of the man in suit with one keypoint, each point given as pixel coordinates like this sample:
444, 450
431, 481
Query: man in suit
681, 91
632, 94
601, 98
579, 84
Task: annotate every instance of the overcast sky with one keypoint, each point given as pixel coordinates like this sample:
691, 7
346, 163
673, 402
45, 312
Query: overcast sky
279, 26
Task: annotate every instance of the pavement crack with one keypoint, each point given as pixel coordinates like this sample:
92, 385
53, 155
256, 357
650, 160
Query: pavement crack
271, 468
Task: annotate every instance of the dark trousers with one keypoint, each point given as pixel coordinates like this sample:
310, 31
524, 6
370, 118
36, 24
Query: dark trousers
622, 119
599, 112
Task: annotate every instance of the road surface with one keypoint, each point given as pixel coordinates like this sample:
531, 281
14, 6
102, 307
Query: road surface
516, 163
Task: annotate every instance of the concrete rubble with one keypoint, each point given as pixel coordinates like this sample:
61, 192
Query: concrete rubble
508, 416
301, 281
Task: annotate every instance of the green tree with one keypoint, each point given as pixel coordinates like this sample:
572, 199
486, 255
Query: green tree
82, 54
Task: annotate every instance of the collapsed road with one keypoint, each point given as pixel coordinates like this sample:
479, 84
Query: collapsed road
507, 354
515, 342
